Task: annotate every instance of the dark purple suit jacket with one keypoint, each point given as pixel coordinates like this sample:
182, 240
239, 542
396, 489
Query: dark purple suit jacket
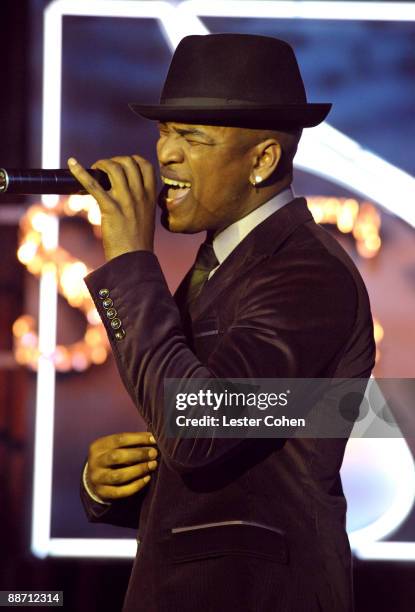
288, 302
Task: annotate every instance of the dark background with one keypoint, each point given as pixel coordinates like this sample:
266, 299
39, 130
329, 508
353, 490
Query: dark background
373, 88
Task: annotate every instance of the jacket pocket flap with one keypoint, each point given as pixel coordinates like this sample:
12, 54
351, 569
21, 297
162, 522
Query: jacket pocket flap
228, 538
205, 327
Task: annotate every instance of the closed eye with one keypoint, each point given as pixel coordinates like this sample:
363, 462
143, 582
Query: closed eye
190, 135
194, 142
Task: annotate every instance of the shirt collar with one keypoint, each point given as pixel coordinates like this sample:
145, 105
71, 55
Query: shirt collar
225, 242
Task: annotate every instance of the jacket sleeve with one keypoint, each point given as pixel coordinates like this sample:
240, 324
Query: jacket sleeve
293, 319
122, 513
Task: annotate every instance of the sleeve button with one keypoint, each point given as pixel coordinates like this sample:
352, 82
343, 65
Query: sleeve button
111, 313
115, 323
107, 303
120, 334
103, 293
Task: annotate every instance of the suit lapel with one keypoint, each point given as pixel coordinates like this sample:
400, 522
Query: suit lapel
181, 291
265, 239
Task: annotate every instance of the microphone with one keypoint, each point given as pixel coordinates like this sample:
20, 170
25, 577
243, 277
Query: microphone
61, 182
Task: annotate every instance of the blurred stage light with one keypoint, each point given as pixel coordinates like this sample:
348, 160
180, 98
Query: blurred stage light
70, 272
297, 9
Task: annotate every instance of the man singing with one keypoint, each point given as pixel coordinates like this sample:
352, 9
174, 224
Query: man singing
226, 524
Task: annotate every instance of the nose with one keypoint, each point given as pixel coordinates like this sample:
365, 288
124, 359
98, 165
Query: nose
169, 150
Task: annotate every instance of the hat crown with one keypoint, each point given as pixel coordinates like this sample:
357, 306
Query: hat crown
241, 80
251, 68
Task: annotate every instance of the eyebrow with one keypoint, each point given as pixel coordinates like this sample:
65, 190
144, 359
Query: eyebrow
193, 131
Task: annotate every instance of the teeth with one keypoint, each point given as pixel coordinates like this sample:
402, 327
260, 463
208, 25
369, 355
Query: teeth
168, 181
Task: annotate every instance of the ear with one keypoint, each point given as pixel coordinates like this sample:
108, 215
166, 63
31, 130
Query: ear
267, 156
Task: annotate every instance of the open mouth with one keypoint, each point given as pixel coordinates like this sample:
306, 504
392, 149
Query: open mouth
176, 190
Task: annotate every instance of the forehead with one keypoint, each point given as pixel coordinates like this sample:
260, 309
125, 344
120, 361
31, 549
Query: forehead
212, 131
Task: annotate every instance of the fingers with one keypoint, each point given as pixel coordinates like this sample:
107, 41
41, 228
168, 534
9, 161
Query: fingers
139, 173
124, 439
134, 451
128, 208
119, 192
111, 493
121, 476
86, 180
120, 188
133, 174
123, 457
119, 463
147, 172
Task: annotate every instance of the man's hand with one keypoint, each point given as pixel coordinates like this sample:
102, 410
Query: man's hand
128, 209
119, 465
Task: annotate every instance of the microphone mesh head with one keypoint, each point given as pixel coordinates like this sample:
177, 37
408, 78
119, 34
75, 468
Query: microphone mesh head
3, 180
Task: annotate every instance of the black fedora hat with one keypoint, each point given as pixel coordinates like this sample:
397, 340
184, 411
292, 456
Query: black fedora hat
234, 79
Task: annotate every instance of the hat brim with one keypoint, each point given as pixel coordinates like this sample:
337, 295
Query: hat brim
301, 115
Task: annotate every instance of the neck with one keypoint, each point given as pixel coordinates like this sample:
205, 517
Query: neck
263, 193
258, 196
